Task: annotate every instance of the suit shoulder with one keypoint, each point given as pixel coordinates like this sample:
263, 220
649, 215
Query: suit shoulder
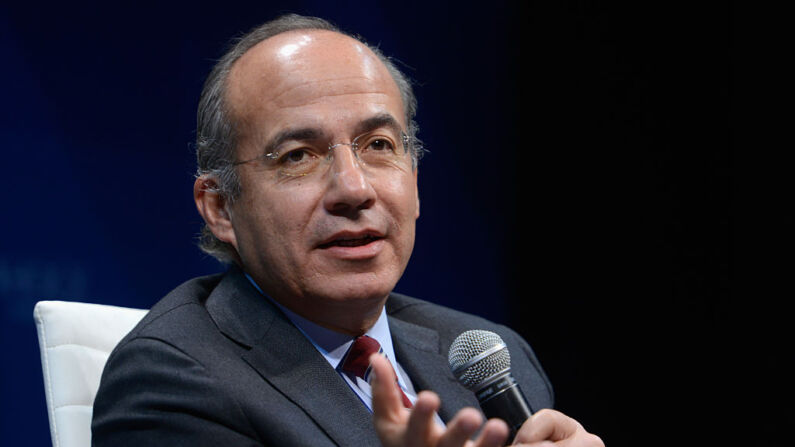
180, 307
435, 316
450, 323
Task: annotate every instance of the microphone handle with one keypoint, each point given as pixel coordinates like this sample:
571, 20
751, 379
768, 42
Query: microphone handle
504, 399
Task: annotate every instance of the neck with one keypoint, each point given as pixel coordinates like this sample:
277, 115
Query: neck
353, 319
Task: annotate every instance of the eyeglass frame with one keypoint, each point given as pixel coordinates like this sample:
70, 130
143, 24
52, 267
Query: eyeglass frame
405, 138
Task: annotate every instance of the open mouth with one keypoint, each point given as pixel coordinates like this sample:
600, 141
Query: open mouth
350, 241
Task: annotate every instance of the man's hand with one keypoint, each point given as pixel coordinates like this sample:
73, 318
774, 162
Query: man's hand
553, 428
397, 427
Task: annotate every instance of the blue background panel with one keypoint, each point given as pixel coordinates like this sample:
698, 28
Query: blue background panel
578, 185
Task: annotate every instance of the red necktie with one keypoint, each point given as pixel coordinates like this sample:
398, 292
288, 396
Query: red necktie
357, 362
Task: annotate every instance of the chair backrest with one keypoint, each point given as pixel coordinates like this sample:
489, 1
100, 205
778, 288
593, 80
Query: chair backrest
75, 340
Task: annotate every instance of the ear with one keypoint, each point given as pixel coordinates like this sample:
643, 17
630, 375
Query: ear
214, 208
417, 194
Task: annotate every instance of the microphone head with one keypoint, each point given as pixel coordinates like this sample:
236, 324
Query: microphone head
478, 356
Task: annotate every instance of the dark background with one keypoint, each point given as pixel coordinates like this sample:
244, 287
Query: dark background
579, 188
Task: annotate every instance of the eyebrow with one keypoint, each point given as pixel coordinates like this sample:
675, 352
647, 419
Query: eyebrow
377, 122
300, 134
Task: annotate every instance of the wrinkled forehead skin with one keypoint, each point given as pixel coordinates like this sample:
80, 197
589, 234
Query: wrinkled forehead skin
304, 68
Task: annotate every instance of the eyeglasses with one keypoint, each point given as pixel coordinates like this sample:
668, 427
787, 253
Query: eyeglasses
375, 151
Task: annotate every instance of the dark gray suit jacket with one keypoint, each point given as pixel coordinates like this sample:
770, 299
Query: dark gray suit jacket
214, 363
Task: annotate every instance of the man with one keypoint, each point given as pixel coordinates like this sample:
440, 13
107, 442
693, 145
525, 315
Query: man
308, 185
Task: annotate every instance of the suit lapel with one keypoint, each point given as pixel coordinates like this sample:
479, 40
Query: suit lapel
419, 352
283, 356
289, 362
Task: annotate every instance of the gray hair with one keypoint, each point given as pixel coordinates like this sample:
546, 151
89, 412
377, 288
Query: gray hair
215, 132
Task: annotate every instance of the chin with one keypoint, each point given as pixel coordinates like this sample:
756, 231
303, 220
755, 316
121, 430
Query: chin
358, 288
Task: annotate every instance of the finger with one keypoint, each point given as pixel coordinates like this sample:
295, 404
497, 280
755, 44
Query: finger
421, 427
547, 425
494, 434
582, 439
386, 400
461, 428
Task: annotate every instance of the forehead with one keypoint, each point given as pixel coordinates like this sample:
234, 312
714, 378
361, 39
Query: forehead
312, 75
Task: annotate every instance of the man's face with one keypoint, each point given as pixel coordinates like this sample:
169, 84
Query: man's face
339, 239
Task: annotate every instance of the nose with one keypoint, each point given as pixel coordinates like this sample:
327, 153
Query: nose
349, 189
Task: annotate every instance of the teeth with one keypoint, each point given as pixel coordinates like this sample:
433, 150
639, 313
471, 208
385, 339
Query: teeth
353, 242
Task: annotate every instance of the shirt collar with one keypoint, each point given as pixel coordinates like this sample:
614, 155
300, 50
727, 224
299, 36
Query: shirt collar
333, 345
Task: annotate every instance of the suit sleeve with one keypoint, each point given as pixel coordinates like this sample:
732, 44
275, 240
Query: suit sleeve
154, 394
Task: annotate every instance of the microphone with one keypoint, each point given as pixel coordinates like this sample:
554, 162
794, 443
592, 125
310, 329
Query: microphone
481, 362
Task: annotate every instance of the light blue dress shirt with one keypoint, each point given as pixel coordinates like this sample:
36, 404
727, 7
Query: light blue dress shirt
333, 346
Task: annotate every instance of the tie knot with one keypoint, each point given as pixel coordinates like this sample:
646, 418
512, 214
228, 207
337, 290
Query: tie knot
357, 360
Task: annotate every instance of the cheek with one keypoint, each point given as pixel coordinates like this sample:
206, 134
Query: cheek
405, 197
279, 216
400, 199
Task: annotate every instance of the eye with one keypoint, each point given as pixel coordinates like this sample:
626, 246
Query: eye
295, 156
297, 162
381, 144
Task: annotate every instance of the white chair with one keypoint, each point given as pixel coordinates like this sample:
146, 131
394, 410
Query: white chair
75, 340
